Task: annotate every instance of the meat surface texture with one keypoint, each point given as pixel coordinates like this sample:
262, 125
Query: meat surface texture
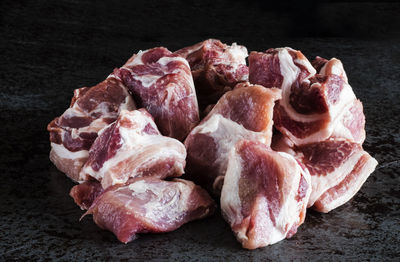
315, 105
243, 113
149, 205
216, 68
131, 147
264, 195
161, 82
91, 109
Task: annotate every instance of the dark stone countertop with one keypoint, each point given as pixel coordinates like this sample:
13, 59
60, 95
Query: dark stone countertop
50, 48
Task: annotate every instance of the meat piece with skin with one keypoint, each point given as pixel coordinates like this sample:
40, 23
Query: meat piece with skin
264, 195
91, 109
216, 68
85, 193
243, 113
149, 205
131, 147
315, 105
161, 82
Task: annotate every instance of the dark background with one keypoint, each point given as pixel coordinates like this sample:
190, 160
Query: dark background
50, 48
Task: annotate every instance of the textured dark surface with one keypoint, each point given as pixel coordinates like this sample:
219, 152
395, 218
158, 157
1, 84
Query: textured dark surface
49, 48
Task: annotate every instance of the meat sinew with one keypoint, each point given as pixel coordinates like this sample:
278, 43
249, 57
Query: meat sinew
264, 196
131, 147
216, 68
243, 113
91, 109
149, 205
161, 82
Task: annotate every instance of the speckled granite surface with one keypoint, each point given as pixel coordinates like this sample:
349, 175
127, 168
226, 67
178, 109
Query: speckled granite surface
49, 49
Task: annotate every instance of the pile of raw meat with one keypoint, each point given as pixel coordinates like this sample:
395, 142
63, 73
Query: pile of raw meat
269, 140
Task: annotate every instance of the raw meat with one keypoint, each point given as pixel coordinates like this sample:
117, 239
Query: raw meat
216, 68
130, 147
266, 177
264, 195
149, 205
348, 187
329, 67
91, 109
161, 82
281, 143
245, 112
85, 193
338, 169
314, 106
321, 121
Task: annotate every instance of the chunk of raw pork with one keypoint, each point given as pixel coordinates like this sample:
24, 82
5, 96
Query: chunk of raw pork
314, 106
161, 82
265, 194
149, 205
131, 147
91, 109
216, 68
243, 113
338, 169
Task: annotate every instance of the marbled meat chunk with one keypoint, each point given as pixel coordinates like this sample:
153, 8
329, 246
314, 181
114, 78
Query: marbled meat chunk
216, 68
149, 205
315, 105
265, 194
243, 113
73, 133
131, 147
338, 169
161, 82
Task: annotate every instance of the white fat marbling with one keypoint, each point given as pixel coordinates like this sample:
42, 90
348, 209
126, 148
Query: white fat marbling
142, 148
231, 204
61, 151
226, 133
